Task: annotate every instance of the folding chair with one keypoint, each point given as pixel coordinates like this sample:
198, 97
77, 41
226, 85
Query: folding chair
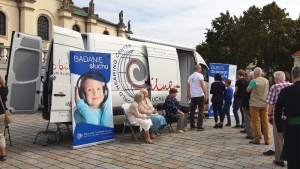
47, 133
7, 128
127, 123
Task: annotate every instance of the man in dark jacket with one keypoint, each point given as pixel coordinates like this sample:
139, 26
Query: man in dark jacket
288, 123
245, 107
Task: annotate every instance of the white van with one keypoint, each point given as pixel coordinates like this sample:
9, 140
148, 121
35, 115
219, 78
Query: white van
136, 63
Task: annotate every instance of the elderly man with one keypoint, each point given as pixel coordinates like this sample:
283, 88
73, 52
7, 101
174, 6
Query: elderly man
279, 77
259, 88
245, 107
288, 122
272, 148
196, 92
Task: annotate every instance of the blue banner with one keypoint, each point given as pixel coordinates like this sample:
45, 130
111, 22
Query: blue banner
222, 69
227, 71
91, 100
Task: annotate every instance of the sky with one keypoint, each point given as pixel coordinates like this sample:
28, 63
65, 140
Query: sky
177, 21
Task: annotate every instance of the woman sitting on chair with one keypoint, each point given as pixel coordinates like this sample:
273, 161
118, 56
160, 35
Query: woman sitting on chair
146, 107
134, 116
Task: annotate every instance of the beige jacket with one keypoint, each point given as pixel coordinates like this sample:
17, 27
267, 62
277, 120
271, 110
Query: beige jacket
146, 107
259, 94
133, 113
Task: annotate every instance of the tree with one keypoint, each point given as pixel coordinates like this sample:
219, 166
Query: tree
264, 36
268, 36
221, 43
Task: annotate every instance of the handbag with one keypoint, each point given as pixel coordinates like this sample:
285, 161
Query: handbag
8, 116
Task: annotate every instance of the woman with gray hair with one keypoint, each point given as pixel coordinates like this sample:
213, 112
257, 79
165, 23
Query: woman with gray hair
146, 107
135, 117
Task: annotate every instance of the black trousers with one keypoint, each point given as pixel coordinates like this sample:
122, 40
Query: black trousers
217, 107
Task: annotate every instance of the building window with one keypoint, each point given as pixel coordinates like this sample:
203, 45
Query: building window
105, 33
76, 28
43, 28
2, 24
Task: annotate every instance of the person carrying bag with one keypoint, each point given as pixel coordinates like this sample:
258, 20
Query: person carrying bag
8, 116
3, 98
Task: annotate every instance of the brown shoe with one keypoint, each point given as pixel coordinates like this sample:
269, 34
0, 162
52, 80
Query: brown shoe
279, 163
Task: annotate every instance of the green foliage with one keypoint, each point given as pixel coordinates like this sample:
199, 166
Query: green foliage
264, 36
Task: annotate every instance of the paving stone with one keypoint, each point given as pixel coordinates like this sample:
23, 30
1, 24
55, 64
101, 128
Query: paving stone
211, 148
152, 161
86, 166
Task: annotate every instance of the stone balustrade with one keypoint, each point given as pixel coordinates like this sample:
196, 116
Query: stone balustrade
5, 50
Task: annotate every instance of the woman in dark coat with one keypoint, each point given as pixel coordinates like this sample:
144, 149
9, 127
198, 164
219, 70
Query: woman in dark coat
218, 91
3, 95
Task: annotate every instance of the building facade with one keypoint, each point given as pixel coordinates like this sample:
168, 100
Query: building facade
36, 17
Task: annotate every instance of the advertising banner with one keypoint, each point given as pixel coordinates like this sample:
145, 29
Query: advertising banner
91, 100
227, 71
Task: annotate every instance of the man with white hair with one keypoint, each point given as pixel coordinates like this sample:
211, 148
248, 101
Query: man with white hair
279, 78
288, 122
259, 88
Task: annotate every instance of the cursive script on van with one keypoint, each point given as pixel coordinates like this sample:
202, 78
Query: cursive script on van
163, 87
61, 66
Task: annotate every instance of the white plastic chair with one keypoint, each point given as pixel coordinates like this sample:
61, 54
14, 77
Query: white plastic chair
127, 123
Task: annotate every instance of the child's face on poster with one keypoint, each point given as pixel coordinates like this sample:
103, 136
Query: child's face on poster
94, 92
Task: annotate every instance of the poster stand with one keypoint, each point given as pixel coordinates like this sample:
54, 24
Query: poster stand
227, 71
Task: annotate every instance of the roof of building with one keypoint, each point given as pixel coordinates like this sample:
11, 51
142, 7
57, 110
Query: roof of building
296, 54
78, 11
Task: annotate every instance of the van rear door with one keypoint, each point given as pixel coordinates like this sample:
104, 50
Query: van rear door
23, 76
64, 40
164, 71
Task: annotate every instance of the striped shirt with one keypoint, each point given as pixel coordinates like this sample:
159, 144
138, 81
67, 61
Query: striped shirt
274, 92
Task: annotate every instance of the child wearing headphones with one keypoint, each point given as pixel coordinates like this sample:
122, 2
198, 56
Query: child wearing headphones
92, 101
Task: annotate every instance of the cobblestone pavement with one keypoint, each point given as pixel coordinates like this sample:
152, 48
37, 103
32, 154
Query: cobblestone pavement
212, 148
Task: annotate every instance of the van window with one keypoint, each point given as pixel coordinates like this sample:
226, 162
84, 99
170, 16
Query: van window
204, 72
84, 39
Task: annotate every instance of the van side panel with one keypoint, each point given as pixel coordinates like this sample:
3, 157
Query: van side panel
164, 71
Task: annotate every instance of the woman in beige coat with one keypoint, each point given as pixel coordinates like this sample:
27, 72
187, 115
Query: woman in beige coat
134, 116
146, 107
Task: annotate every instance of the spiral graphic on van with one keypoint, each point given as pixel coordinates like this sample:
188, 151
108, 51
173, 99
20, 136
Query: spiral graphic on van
132, 72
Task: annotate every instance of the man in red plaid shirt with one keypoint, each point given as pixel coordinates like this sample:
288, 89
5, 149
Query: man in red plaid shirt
274, 91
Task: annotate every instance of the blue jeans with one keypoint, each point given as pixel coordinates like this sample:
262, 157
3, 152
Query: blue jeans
237, 104
226, 111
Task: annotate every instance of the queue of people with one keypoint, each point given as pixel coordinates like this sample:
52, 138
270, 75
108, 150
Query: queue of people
260, 105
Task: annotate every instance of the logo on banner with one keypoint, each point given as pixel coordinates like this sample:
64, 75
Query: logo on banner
79, 136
